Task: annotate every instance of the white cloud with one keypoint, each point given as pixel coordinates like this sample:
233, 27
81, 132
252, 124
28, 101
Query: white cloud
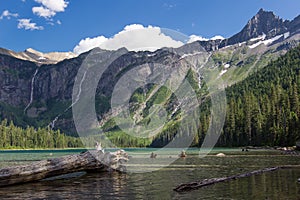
194, 38
43, 12
58, 22
50, 23
133, 37
217, 37
54, 5
89, 43
8, 15
28, 25
49, 8
132, 27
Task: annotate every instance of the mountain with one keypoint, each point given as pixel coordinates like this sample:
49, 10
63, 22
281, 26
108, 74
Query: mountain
36, 88
294, 25
39, 57
263, 26
263, 23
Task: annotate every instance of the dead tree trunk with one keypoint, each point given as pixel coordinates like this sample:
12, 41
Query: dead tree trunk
87, 161
206, 182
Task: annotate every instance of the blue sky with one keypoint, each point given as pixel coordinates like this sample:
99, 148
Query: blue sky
61, 26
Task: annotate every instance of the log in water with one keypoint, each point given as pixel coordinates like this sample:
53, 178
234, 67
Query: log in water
198, 184
86, 161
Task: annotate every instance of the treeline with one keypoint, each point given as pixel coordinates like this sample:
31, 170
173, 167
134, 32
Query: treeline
13, 137
263, 109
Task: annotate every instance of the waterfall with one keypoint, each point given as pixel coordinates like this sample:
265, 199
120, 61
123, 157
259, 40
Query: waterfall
175, 110
199, 78
199, 70
31, 93
52, 124
79, 92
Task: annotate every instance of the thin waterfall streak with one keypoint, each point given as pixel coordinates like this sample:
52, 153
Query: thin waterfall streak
32, 89
52, 124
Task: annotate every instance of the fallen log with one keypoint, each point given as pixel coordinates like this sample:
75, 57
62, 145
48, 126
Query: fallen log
86, 161
199, 184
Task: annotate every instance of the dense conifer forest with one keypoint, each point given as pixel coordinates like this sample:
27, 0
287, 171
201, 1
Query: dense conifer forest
262, 110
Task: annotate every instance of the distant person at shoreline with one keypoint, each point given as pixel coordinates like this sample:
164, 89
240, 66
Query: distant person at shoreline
182, 154
153, 155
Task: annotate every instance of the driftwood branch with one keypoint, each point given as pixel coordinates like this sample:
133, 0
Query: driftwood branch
87, 161
206, 182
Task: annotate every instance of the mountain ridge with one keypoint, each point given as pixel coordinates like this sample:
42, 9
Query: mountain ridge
39, 57
40, 94
264, 24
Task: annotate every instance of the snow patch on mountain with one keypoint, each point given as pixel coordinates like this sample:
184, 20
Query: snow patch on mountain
286, 35
265, 42
226, 66
190, 54
222, 72
262, 37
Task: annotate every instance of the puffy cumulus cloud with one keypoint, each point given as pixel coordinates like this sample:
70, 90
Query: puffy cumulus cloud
217, 37
8, 15
28, 25
132, 27
134, 37
49, 8
89, 43
43, 12
194, 38
54, 5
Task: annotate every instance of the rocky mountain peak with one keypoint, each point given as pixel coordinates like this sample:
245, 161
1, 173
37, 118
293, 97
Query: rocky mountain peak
263, 23
31, 50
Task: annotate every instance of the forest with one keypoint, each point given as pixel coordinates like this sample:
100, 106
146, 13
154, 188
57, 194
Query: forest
13, 137
262, 110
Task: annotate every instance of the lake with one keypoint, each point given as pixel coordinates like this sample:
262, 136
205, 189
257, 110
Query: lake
281, 184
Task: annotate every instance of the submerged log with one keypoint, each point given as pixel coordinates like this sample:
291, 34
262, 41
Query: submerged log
206, 182
86, 161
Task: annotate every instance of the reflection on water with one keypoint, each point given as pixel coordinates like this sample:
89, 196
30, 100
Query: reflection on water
279, 185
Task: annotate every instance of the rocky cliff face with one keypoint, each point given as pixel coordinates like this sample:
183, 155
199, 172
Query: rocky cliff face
15, 80
294, 25
56, 81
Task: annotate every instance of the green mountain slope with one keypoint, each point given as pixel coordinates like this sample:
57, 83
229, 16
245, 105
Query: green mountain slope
263, 109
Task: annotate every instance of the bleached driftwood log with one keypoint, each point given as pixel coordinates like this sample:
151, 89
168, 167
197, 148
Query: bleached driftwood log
206, 182
86, 161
